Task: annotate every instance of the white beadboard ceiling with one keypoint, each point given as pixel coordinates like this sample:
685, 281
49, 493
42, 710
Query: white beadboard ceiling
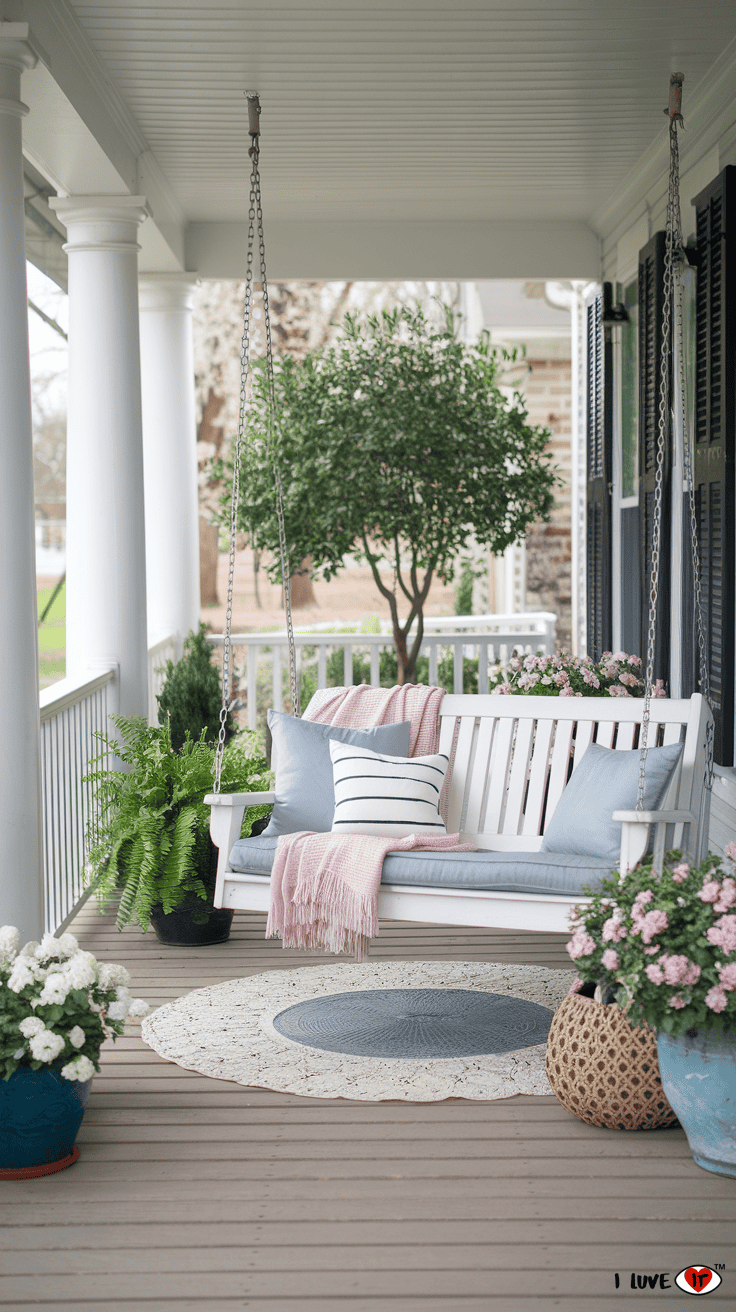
418, 139
412, 110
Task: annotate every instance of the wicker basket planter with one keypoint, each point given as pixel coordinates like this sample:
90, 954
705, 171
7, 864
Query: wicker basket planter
603, 1070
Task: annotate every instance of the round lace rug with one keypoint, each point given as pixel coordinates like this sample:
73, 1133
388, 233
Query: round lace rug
227, 1031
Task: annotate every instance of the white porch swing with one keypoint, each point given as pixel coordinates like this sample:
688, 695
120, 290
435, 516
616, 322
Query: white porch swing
513, 758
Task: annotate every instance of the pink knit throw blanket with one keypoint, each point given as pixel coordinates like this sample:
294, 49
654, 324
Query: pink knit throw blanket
324, 887
363, 707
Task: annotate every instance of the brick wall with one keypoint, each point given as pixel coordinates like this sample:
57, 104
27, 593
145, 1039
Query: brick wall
549, 579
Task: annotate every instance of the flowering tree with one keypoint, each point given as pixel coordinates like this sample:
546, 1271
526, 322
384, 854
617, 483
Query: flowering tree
394, 445
664, 944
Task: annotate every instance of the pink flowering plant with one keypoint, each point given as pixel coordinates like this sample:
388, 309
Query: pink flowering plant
564, 675
664, 945
58, 1004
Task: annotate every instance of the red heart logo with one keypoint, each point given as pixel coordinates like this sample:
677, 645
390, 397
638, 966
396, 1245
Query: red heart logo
698, 1277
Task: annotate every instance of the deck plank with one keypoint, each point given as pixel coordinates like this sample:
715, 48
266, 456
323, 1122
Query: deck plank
197, 1193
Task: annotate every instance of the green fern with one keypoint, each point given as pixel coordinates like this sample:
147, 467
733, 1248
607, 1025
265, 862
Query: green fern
152, 845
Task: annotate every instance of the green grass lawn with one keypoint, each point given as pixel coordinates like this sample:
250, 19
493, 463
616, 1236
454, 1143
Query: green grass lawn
52, 638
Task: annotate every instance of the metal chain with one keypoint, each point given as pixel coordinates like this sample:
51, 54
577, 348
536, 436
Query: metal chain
239, 440
278, 485
672, 298
255, 218
689, 479
672, 250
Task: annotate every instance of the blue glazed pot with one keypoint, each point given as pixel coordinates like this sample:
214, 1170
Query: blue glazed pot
40, 1116
699, 1078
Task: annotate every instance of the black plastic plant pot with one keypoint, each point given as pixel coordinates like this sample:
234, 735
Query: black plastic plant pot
180, 929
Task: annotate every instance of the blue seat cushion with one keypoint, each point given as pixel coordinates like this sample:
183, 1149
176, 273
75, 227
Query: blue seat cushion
500, 872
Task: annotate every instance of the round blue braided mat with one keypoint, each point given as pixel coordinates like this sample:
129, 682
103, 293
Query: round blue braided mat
415, 1023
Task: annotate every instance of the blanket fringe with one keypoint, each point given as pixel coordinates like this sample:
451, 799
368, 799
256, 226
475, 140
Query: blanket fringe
326, 913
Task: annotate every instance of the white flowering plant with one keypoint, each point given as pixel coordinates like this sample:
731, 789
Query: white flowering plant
663, 945
565, 675
58, 1005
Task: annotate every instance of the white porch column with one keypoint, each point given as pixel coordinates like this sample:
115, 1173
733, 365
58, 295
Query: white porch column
169, 454
106, 549
21, 866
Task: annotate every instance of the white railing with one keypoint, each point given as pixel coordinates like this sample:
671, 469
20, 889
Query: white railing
539, 625
72, 712
260, 660
168, 649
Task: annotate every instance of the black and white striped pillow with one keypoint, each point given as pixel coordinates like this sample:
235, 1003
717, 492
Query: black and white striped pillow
386, 795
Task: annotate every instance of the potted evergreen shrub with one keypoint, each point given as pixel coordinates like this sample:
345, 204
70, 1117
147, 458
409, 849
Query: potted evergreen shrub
153, 845
191, 696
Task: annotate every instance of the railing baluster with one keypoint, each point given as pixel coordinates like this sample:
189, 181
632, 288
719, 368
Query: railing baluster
432, 675
251, 676
347, 665
277, 692
482, 667
375, 664
322, 665
457, 680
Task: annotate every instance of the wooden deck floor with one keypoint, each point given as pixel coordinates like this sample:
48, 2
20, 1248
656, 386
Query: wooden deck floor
193, 1193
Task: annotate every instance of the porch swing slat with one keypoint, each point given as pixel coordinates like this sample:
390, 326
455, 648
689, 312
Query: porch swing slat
518, 777
604, 733
625, 738
564, 730
671, 734
583, 738
499, 775
538, 777
480, 775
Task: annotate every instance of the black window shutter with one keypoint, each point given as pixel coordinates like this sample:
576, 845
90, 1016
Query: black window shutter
599, 474
651, 294
714, 443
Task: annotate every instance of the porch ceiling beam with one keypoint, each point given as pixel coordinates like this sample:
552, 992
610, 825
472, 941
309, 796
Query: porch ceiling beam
81, 135
380, 250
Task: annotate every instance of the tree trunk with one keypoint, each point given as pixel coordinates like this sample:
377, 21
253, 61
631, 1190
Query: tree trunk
208, 558
406, 656
302, 591
256, 568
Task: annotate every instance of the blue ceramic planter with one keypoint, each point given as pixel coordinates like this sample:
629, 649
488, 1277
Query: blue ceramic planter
40, 1116
699, 1078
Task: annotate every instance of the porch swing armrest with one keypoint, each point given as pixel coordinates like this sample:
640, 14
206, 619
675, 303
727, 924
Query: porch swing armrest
240, 799
635, 834
655, 817
226, 821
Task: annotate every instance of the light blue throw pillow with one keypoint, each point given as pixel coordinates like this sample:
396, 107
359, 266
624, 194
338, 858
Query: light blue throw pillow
604, 782
305, 792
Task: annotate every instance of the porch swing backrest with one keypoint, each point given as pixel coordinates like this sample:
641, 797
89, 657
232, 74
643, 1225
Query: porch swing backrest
513, 757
